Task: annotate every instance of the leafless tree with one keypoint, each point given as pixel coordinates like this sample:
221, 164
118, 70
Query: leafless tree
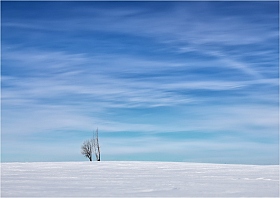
90, 145
87, 149
96, 146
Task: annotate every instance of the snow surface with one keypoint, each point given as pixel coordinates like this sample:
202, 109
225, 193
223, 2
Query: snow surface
138, 179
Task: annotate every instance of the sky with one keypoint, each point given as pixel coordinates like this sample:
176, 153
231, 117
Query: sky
162, 81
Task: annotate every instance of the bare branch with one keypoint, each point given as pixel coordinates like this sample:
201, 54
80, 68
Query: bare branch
92, 145
87, 149
96, 145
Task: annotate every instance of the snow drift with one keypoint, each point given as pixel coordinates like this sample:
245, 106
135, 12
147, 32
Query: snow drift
138, 179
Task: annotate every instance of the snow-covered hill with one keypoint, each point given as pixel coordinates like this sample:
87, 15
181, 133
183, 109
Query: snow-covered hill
138, 179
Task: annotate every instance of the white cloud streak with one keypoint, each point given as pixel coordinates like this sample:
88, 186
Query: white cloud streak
78, 89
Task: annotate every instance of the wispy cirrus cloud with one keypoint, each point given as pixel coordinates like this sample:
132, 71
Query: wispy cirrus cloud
147, 68
112, 85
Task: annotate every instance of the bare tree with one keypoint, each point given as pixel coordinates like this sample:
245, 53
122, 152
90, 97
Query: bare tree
90, 145
96, 146
87, 149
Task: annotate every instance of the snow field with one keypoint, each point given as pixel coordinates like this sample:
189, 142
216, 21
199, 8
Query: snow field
138, 179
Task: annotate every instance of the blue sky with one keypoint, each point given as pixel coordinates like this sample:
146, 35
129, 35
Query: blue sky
163, 81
